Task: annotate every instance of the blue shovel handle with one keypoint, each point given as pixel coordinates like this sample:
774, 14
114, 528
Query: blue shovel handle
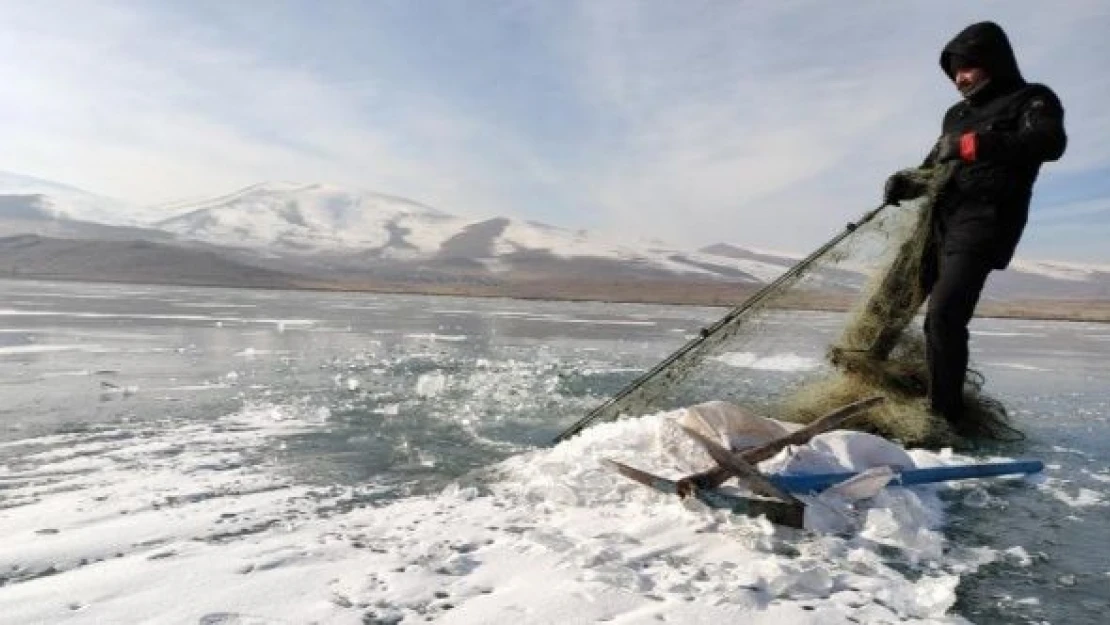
817, 482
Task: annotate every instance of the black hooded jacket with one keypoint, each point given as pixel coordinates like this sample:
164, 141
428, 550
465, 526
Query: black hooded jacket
1017, 126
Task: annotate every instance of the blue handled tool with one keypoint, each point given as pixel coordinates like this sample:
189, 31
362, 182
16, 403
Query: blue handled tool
817, 482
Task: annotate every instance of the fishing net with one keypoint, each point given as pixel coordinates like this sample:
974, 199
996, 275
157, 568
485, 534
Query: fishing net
789, 352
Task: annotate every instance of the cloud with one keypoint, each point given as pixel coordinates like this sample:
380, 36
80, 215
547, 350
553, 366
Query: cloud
764, 124
778, 123
1075, 231
129, 102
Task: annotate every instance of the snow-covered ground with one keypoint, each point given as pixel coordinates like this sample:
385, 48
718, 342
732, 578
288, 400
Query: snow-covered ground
186, 524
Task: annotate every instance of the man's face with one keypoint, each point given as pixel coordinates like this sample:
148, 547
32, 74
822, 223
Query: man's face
968, 79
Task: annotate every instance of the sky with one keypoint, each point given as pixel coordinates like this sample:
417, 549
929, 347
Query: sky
757, 123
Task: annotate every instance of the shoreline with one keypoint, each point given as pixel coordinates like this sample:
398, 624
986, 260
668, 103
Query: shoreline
664, 293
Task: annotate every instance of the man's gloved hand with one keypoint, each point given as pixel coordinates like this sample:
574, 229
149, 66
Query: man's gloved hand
900, 187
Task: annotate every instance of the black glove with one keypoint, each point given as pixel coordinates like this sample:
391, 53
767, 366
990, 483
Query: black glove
901, 187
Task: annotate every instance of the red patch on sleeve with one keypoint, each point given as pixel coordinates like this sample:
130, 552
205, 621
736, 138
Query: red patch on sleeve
969, 146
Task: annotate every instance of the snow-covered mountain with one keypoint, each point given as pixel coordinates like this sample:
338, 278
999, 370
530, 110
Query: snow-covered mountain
333, 235
323, 220
31, 206
1058, 270
309, 219
57, 200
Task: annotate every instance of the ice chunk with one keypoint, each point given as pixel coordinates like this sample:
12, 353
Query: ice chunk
797, 581
431, 384
930, 597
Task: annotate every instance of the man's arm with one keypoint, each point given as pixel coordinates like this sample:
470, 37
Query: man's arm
904, 185
1039, 135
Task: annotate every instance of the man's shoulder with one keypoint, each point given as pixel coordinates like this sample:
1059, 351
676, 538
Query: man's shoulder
1037, 87
1036, 90
1039, 96
955, 111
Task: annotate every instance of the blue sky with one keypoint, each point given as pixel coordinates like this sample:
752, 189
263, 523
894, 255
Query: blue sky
764, 124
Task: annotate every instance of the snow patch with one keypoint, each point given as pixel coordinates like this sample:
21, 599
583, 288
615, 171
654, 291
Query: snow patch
431, 384
774, 362
1015, 365
1059, 270
44, 349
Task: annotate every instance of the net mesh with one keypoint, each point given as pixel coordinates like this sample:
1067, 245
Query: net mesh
778, 354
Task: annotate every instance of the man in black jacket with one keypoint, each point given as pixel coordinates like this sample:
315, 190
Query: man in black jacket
997, 137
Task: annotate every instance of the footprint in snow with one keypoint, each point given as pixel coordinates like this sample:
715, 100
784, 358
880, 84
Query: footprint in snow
234, 618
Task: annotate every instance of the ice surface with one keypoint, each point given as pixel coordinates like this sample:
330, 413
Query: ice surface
300, 507
438, 337
1015, 365
14, 312
1073, 497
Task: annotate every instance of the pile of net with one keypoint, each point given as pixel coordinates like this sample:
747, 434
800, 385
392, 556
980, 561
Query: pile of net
876, 349
879, 354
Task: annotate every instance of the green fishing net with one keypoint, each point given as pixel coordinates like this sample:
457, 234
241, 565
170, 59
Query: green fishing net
873, 269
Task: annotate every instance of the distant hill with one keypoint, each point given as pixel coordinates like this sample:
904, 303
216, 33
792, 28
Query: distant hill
33, 256
320, 236
63, 201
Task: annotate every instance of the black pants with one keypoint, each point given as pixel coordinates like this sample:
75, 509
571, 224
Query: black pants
953, 282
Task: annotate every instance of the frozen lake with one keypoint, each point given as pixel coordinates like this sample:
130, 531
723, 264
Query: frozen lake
245, 456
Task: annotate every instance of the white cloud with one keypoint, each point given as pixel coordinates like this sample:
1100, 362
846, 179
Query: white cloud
774, 124
114, 101
765, 124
